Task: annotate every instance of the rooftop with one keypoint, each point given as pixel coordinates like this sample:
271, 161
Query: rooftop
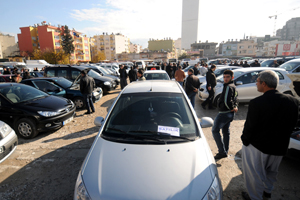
152, 86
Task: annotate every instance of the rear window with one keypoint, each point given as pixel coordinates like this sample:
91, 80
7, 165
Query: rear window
50, 73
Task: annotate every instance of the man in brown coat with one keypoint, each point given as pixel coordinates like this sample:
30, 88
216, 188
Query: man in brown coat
180, 75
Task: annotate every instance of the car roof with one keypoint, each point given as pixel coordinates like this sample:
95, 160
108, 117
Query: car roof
152, 86
294, 60
227, 66
249, 69
4, 85
155, 72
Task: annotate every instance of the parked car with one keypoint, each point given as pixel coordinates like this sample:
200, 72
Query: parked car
280, 61
8, 141
6, 78
37, 74
244, 79
152, 139
113, 67
156, 75
141, 64
105, 73
59, 86
292, 66
30, 111
72, 72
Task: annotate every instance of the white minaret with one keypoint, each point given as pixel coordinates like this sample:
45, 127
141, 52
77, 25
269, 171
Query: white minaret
190, 23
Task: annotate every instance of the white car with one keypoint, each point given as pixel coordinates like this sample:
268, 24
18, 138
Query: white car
150, 146
292, 66
8, 141
156, 75
244, 80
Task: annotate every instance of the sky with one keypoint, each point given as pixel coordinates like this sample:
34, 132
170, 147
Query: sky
140, 20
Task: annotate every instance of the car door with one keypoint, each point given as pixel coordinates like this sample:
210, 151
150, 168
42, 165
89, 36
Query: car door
8, 111
247, 90
49, 88
74, 74
282, 82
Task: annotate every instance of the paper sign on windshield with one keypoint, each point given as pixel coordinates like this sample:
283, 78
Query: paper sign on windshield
169, 130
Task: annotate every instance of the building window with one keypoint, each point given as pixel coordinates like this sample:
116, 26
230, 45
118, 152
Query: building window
241, 47
85, 41
34, 44
250, 51
240, 51
244, 51
33, 38
250, 46
57, 44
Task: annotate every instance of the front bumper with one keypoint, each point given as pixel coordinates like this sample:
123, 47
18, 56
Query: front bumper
202, 94
53, 123
8, 145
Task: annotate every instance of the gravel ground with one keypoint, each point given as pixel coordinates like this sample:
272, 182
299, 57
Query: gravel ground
47, 166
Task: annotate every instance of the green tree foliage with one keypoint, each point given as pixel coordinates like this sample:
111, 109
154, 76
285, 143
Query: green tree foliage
67, 42
183, 56
50, 56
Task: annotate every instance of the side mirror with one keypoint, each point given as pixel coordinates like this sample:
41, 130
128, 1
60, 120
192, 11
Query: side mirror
98, 121
206, 122
239, 83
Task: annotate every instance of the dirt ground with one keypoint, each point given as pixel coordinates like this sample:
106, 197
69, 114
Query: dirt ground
47, 166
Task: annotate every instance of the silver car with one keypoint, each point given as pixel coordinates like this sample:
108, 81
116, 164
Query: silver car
244, 80
150, 146
8, 141
156, 75
292, 66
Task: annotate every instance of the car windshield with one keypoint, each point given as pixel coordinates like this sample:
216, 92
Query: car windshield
236, 74
65, 83
156, 76
267, 63
149, 113
94, 74
104, 71
21, 93
189, 67
290, 65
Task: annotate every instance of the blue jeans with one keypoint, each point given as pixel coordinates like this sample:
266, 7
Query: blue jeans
180, 83
89, 102
192, 96
222, 121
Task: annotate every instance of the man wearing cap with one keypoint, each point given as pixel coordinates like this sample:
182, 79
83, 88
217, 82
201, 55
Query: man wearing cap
87, 85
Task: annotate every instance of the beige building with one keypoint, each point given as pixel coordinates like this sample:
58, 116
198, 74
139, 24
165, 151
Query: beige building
135, 48
246, 48
8, 46
167, 44
112, 44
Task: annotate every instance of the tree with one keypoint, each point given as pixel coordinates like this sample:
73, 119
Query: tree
67, 42
98, 55
50, 56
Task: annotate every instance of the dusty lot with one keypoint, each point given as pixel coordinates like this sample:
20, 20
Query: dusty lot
47, 166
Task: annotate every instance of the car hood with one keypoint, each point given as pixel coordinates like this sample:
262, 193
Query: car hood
48, 103
130, 171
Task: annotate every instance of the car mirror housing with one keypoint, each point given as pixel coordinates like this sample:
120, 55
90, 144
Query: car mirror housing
239, 83
206, 122
98, 121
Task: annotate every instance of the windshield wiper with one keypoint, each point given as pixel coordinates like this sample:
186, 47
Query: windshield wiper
162, 134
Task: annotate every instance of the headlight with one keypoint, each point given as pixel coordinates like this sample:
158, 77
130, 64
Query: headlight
47, 113
80, 191
215, 191
118, 79
107, 83
4, 129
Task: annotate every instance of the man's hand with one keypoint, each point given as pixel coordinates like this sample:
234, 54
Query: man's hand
195, 90
234, 110
209, 88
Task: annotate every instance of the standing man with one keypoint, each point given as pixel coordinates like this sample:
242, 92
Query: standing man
275, 64
204, 69
255, 64
192, 85
246, 64
180, 75
132, 74
87, 85
227, 105
211, 83
140, 74
196, 71
270, 121
169, 70
123, 76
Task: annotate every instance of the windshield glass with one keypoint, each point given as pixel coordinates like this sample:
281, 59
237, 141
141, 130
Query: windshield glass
20, 93
149, 112
236, 74
187, 69
156, 76
104, 71
65, 83
267, 63
290, 65
94, 74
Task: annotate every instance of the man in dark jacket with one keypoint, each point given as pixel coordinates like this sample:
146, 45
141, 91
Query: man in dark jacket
270, 121
87, 85
191, 86
27, 75
227, 105
255, 64
246, 64
132, 74
275, 64
195, 68
123, 76
169, 70
211, 83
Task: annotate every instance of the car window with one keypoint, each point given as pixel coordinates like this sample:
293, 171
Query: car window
288, 66
74, 73
297, 70
248, 77
281, 77
149, 111
51, 73
62, 73
156, 76
2, 79
45, 86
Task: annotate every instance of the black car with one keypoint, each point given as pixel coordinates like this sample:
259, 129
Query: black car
59, 86
30, 111
280, 61
72, 72
105, 73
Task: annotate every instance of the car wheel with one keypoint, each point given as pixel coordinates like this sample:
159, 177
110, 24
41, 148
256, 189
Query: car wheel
79, 103
215, 103
289, 93
26, 128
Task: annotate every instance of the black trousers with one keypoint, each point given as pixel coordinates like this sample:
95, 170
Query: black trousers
210, 98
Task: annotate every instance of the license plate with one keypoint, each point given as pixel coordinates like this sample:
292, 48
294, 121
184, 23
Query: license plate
67, 121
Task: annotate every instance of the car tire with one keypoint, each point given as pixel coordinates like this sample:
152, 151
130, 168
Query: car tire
215, 103
289, 93
79, 102
26, 128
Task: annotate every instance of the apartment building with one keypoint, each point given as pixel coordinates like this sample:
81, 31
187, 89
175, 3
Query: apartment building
207, 48
49, 37
246, 48
8, 46
135, 48
112, 44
